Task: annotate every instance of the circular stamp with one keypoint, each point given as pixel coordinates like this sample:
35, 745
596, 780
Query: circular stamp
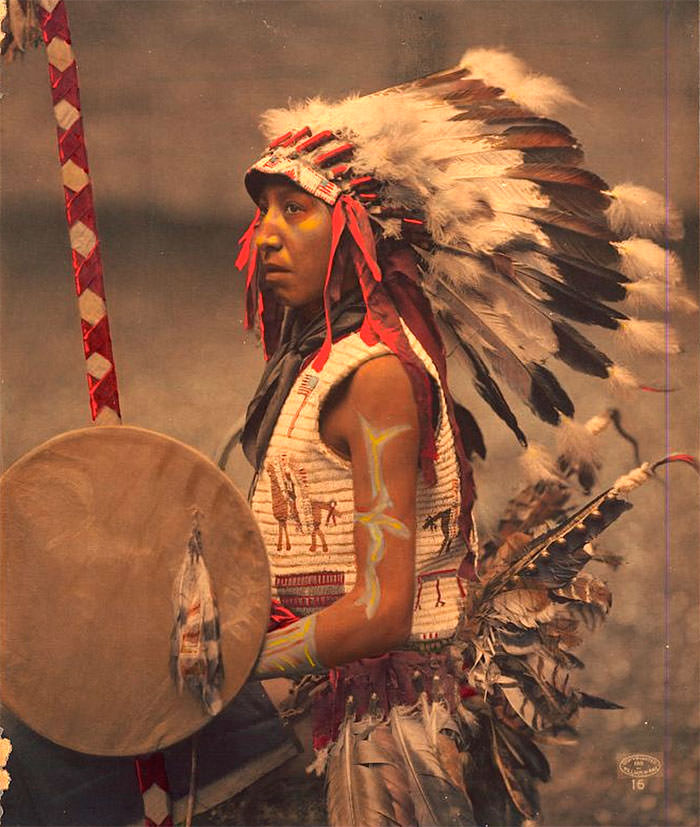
639, 765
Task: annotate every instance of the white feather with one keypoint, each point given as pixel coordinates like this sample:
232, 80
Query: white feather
576, 443
653, 293
391, 227
459, 271
486, 235
498, 68
450, 208
495, 166
639, 211
531, 331
537, 464
622, 380
643, 336
641, 258
505, 193
598, 423
539, 262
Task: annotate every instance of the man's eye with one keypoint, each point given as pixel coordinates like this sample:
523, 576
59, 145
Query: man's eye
292, 207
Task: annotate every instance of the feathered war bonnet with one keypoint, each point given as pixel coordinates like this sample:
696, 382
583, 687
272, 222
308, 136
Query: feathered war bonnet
494, 221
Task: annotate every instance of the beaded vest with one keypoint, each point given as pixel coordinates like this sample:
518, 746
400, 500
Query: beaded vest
303, 503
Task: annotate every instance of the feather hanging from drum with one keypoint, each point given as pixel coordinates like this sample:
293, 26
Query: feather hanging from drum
196, 659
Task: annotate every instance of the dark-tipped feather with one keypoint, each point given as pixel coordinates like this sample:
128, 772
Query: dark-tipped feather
519, 783
569, 155
578, 353
571, 176
568, 302
575, 200
590, 280
595, 702
470, 432
545, 386
491, 393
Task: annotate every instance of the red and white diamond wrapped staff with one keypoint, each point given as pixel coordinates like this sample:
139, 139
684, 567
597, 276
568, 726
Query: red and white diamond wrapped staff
50, 19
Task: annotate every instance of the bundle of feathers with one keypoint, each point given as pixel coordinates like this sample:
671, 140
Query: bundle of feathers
517, 243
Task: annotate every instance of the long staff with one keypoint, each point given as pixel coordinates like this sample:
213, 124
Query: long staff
22, 21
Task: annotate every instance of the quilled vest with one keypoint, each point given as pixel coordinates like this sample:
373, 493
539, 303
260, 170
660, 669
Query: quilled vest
303, 502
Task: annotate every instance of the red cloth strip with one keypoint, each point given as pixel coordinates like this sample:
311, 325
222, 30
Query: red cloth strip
64, 85
150, 771
338, 152
79, 206
71, 145
402, 282
96, 338
383, 323
54, 24
88, 272
247, 255
302, 133
338, 222
315, 140
363, 179
280, 616
280, 141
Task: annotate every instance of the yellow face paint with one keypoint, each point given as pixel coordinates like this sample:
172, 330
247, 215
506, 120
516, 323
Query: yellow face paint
376, 520
294, 241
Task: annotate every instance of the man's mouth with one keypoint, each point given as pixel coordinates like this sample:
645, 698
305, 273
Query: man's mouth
270, 269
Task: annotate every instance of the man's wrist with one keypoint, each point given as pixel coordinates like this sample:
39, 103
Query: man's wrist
290, 652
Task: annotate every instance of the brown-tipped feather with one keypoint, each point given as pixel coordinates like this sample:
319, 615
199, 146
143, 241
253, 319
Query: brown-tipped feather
529, 137
435, 798
572, 176
366, 785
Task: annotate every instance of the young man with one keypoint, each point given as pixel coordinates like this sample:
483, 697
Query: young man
444, 189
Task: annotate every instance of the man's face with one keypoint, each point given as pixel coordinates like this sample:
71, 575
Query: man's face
294, 242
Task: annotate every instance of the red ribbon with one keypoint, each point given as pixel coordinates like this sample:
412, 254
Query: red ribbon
280, 616
338, 223
248, 254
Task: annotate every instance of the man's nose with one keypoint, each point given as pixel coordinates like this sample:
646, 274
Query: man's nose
268, 236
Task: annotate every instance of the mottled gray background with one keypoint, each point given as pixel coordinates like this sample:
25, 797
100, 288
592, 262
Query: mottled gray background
171, 92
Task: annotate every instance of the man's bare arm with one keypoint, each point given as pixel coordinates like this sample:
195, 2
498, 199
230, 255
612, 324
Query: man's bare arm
374, 422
